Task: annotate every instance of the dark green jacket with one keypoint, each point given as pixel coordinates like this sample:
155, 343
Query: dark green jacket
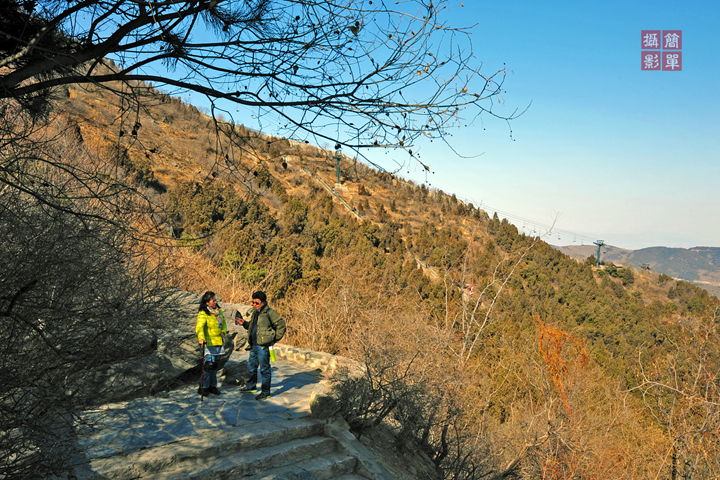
271, 326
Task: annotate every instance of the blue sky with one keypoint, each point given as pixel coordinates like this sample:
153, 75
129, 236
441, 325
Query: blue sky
612, 152
615, 153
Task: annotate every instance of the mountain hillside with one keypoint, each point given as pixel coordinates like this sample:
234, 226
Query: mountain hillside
699, 265
491, 352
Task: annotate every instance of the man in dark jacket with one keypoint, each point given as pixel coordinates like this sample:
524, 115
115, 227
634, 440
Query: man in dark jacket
265, 327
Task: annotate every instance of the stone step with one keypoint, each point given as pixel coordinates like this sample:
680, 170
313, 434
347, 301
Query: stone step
215, 443
329, 466
245, 464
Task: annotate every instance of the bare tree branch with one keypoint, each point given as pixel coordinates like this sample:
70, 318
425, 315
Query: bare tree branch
360, 75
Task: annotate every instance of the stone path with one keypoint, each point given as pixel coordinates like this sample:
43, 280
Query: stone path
171, 416
176, 435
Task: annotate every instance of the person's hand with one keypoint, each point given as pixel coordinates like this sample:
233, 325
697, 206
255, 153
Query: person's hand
202, 342
239, 321
222, 334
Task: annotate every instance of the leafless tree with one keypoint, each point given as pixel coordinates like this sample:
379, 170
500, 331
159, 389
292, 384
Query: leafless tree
471, 314
75, 290
77, 278
682, 394
357, 74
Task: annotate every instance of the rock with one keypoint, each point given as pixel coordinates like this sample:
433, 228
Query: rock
229, 310
300, 475
234, 373
323, 403
172, 353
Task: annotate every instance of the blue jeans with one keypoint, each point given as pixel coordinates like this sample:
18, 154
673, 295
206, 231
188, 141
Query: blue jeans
209, 379
259, 356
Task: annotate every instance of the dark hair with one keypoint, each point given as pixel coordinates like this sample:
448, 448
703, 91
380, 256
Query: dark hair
260, 296
204, 300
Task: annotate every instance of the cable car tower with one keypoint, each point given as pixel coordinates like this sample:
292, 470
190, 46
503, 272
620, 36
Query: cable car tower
599, 243
338, 157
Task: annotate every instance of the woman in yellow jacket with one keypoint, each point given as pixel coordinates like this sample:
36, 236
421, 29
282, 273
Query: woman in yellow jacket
211, 329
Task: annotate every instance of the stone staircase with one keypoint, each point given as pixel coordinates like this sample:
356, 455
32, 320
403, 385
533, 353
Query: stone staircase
176, 436
295, 449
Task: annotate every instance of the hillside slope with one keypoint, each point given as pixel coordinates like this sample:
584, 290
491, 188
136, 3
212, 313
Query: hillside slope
470, 332
699, 265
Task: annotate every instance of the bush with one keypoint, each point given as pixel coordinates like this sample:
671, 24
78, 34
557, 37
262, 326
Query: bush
72, 294
79, 280
253, 274
627, 277
384, 388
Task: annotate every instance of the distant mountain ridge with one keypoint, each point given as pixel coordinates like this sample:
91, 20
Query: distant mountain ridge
700, 265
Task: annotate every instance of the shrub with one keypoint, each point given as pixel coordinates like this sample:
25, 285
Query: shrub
253, 274
383, 388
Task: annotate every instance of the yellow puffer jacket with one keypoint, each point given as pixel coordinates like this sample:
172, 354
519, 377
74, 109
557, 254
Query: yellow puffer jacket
207, 328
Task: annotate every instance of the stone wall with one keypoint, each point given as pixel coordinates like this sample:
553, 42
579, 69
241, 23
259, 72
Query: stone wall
325, 362
316, 360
